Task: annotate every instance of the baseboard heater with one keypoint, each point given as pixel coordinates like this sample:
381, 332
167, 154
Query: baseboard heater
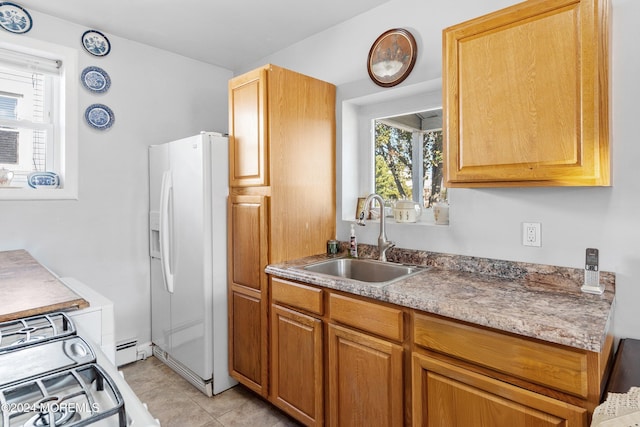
204, 386
126, 352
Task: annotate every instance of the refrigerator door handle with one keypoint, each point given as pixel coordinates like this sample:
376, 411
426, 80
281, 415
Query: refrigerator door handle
165, 230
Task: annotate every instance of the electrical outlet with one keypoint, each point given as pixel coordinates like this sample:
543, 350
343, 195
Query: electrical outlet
531, 235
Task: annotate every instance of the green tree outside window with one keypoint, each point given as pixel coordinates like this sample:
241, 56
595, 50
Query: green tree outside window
395, 160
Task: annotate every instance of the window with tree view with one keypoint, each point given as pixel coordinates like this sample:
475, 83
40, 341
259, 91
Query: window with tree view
408, 158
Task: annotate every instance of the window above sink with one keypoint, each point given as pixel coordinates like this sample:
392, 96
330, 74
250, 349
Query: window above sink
364, 162
408, 157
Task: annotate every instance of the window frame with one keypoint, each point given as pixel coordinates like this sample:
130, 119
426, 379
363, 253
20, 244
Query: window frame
64, 117
417, 153
362, 113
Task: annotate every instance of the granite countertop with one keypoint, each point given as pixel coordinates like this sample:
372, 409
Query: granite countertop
27, 288
532, 300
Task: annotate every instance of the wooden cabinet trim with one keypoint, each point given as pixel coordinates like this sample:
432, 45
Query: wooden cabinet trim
297, 295
557, 367
371, 317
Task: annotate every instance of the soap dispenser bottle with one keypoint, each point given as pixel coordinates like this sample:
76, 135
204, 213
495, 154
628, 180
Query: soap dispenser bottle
353, 244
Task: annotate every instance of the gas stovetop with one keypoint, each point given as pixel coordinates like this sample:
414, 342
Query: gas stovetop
78, 396
25, 332
49, 377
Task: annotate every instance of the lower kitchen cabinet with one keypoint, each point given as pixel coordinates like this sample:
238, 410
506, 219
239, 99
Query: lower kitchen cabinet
248, 347
297, 365
365, 379
365, 362
296, 344
247, 290
452, 396
464, 374
343, 360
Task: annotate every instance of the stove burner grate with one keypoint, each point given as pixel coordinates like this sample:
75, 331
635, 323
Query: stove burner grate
77, 397
23, 332
60, 418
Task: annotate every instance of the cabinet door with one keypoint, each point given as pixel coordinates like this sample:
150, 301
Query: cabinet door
247, 291
296, 365
365, 380
247, 340
526, 96
247, 130
247, 240
447, 395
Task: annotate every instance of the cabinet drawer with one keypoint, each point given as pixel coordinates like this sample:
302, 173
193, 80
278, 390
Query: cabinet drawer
546, 364
371, 317
444, 391
297, 295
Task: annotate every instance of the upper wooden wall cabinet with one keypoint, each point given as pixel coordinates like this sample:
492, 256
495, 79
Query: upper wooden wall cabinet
526, 96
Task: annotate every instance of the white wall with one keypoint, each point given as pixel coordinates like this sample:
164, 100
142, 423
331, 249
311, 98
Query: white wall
487, 222
101, 239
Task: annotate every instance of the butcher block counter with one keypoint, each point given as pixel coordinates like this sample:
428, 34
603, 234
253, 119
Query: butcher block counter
27, 288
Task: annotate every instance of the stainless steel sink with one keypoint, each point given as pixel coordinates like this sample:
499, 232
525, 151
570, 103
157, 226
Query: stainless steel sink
364, 270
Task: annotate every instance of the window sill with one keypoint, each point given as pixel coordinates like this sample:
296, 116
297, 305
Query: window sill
10, 193
425, 219
428, 220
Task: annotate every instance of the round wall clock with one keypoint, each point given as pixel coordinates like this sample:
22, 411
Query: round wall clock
392, 57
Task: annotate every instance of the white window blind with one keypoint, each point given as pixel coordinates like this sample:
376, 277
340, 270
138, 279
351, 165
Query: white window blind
31, 63
8, 105
27, 84
41, 131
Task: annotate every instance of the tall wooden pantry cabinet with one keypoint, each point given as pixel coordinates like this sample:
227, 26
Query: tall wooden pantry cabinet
281, 199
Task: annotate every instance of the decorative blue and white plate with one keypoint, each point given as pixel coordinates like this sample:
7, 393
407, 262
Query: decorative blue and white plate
99, 116
95, 79
43, 180
14, 18
96, 43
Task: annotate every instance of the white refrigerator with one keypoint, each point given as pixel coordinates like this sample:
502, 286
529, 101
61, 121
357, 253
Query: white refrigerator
188, 189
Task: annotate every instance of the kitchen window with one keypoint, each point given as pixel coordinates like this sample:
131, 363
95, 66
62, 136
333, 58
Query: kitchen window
358, 158
408, 157
38, 124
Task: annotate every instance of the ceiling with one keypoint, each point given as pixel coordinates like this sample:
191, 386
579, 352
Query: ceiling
226, 33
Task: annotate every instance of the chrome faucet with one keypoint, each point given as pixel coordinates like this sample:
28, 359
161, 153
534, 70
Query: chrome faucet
383, 243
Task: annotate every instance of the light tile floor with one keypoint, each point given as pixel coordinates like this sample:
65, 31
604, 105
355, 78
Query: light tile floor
176, 403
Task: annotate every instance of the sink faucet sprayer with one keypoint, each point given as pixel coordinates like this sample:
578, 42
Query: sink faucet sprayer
383, 243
